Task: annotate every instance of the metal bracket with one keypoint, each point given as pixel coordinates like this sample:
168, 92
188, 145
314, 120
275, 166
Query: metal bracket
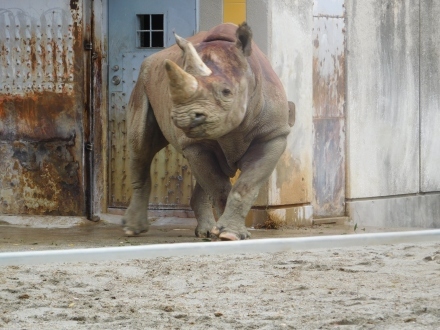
89, 146
88, 45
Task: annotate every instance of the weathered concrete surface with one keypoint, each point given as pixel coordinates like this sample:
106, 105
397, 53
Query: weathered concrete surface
422, 211
382, 98
291, 182
393, 132
291, 56
429, 96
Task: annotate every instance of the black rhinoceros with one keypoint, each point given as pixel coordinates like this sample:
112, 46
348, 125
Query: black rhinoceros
216, 99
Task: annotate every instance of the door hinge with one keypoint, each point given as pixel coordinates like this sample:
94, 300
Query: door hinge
88, 45
89, 146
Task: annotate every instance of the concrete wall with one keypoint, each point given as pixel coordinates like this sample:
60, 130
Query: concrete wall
382, 98
430, 95
290, 53
393, 137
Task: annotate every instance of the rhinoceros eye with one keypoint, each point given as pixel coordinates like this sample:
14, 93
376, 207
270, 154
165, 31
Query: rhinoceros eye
226, 92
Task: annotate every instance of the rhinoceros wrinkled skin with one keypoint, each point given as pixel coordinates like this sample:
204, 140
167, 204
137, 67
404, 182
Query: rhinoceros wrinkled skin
216, 99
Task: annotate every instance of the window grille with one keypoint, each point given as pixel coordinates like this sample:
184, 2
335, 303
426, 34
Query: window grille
150, 33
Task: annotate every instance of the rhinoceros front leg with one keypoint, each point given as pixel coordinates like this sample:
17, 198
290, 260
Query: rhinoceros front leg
202, 207
256, 166
211, 190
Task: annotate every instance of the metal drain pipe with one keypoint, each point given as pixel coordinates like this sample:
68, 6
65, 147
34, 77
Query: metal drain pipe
215, 248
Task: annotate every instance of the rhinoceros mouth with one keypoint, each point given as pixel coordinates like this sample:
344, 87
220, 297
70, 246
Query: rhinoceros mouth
195, 133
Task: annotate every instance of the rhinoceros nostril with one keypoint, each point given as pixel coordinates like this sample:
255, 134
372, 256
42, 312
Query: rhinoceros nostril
199, 118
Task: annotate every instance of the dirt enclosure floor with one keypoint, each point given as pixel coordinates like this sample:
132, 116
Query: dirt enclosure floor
377, 287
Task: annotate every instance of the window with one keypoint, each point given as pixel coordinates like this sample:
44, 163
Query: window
150, 31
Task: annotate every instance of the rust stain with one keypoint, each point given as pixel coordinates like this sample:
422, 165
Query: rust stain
43, 175
328, 68
293, 180
39, 116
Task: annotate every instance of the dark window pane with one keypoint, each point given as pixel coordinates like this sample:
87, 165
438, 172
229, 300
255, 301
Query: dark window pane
144, 22
157, 39
157, 22
144, 39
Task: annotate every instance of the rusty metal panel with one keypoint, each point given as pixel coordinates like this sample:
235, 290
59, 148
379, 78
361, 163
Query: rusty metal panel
328, 67
328, 117
41, 108
329, 167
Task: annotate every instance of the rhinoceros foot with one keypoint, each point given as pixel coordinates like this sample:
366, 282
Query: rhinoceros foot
135, 224
203, 230
230, 232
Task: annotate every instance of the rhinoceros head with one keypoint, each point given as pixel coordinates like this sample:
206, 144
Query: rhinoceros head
210, 92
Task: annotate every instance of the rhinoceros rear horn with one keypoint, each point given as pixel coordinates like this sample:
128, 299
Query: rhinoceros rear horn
182, 84
244, 38
192, 63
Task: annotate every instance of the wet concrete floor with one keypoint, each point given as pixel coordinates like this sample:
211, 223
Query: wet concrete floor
85, 234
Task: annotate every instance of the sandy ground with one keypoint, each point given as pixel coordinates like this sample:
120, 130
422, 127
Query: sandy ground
379, 287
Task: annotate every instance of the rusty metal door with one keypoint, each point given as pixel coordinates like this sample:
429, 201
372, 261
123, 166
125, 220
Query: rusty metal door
41, 107
137, 29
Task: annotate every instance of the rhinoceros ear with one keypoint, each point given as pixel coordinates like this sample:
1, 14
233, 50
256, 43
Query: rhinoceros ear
244, 38
182, 84
192, 63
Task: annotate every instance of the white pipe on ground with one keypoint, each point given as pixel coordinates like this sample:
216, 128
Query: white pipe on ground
213, 248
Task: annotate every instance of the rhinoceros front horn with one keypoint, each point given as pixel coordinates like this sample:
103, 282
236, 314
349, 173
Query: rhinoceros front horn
182, 84
192, 63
